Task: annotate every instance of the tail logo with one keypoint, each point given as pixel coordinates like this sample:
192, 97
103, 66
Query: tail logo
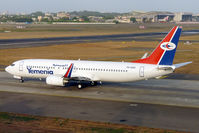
168, 46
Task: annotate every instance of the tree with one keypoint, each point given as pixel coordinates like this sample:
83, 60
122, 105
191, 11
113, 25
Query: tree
22, 19
108, 17
86, 19
132, 19
44, 20
116, 22
38, 13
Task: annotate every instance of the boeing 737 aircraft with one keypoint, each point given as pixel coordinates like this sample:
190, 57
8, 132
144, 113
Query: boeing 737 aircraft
61, 72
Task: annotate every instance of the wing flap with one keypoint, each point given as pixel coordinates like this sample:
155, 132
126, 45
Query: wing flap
80, 78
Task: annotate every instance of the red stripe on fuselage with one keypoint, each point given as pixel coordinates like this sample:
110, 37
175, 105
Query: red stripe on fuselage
158, 52
68, 71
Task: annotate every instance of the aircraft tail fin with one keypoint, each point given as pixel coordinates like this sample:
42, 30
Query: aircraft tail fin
165, 52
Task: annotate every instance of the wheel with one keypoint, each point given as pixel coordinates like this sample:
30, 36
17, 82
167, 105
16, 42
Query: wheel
79, 86
100, 82
21, 80
93, 83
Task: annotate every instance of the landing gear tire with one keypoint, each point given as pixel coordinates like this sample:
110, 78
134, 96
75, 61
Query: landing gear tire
79, 86
21, 80
100, 82
93, 83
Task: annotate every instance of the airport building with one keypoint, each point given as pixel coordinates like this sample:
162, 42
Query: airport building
168, 17
123, 19
183, 17
143, 17
195, 18
39, 18
63, 15
96, 19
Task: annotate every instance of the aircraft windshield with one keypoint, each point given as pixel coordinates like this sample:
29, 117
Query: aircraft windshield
12, 65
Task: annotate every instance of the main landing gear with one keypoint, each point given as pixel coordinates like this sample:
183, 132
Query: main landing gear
82, 85
21, 80
93, 83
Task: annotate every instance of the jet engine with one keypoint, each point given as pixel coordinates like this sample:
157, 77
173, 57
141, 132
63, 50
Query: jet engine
55, 80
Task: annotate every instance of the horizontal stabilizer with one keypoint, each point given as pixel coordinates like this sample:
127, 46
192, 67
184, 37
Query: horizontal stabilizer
182, 64
144, 56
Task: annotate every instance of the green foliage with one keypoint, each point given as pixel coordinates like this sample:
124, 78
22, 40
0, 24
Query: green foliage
44, 20
108, 130
116, 22
7, 116
109, 17
98, 14
61, 122
82, 14
132, 19
23, 19
169, 131
38, 13
86, 19
16, 18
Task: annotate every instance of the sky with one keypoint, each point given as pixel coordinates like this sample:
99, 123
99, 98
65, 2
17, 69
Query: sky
28, 6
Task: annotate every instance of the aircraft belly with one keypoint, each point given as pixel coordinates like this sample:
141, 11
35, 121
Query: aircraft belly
118, 77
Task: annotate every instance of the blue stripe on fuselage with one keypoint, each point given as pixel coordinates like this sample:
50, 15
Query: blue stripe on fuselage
70, 72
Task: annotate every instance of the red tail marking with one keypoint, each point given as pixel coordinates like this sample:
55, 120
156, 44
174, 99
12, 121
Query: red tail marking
157, 53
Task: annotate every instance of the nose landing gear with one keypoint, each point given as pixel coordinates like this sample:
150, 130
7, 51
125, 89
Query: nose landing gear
79, 86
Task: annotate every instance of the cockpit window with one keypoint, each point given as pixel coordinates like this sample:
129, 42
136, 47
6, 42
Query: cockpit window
12, 65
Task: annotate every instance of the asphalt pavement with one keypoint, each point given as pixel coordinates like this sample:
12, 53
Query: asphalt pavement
166, 103
130, 113
34, 42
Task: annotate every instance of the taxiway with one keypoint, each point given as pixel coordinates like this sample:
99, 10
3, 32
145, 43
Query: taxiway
34, 42
163, 103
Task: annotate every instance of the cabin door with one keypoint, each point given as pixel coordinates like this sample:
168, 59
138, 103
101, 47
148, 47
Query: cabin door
142, 71
21, 66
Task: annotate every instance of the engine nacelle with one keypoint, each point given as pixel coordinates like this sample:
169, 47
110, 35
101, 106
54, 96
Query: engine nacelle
55, 80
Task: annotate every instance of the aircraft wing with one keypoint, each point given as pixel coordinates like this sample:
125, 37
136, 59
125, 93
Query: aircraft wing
80, 79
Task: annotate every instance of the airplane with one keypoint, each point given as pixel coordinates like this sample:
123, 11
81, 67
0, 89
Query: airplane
62, 72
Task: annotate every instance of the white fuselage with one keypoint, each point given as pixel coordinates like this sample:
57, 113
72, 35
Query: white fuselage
93, 70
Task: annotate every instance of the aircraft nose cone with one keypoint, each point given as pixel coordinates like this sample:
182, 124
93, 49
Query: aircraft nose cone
7, 69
